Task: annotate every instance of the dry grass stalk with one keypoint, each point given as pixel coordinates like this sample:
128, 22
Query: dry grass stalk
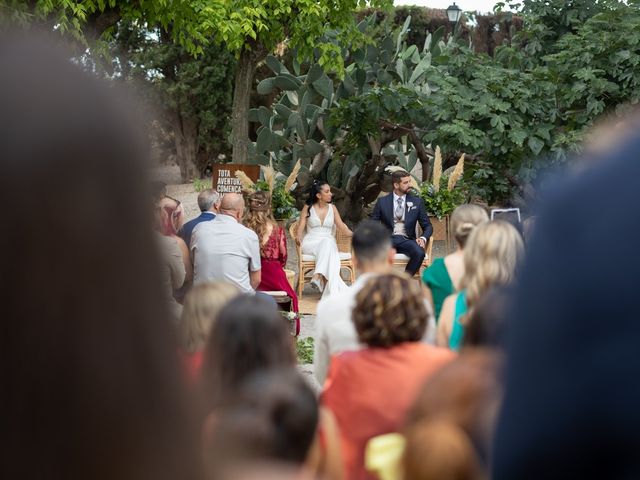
292, 177
247, 183
269, 175
437, 169
456, 174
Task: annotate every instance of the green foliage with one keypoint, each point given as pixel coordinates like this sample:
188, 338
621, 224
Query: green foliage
304, 350
311, 27
283, 204
442, 202
186, 90
83, 19
200, 184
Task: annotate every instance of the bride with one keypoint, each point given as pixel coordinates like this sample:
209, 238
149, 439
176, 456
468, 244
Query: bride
320, 219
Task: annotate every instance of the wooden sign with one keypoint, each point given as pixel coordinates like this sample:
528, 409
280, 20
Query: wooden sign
224, 178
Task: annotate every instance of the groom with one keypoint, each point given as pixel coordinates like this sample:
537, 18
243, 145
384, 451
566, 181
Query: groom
399, 212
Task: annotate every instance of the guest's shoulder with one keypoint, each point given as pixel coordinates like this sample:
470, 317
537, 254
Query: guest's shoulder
337, 302
250, 234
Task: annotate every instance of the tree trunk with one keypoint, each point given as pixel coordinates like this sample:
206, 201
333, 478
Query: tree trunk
245, 71
186, 140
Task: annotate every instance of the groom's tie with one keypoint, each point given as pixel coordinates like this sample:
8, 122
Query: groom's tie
399, 209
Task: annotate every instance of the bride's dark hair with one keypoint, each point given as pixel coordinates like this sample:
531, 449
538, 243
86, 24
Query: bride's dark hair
315, 189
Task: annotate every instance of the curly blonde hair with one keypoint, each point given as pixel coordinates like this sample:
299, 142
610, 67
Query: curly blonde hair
259, 215
390, 309
492, 254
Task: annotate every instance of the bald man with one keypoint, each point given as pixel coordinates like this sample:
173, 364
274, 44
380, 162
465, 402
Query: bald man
224, 249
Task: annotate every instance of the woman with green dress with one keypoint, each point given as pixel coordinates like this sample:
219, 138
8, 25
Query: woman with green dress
443, 277
493, 252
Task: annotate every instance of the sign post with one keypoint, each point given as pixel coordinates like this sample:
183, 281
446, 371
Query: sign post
224, 178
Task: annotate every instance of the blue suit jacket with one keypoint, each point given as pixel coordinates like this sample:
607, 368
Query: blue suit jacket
414, 213
187, 229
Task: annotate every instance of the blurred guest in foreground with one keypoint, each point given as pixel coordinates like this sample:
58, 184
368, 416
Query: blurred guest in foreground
450, 427
201, 308
572, 392
90, 381
248, 335
444, 275
492, 254
370, 390
274, 417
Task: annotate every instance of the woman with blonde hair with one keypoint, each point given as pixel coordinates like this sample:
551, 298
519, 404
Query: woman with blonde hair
201, 307
444, 275
491, 256
273, 247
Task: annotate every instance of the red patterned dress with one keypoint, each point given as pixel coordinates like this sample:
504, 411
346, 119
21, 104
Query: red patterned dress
273, 256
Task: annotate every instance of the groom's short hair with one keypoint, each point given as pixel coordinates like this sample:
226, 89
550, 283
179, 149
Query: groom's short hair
371, 242
398, 175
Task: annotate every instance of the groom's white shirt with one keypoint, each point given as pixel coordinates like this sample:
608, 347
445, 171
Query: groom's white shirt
335, 332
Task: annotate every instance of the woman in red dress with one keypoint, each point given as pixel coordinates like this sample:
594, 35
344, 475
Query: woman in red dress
273, 247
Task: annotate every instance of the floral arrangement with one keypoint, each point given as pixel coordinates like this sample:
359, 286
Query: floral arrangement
441, 197
282, 202
291, 318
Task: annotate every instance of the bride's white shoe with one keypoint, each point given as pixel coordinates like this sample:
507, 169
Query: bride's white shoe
316, 283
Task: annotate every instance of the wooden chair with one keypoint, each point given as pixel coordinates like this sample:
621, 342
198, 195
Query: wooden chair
307, 263
401, 260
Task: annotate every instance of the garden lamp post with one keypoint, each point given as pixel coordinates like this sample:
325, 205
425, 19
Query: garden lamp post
453, 13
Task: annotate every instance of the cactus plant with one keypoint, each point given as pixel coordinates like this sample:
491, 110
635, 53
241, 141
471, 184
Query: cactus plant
307, 121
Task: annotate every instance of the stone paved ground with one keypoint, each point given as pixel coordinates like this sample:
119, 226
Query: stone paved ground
188, 196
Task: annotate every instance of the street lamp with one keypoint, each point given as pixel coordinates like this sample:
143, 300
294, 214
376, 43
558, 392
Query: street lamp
453, 13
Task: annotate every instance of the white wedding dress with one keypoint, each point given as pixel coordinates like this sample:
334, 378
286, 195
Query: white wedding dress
319, 244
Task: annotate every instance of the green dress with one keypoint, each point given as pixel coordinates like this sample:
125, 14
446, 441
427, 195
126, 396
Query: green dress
437, 278
457, 330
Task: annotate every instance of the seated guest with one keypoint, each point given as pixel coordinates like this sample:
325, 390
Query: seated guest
171, 218
370, 390
444, 275
90, 381
274, 417
158, 191
173, 273
273, 247
248, 335
224, 249
209, 204
201, 307
450, 428
400, 212
335, 332
492, 254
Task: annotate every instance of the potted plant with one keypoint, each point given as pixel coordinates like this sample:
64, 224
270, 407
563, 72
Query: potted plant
441, 197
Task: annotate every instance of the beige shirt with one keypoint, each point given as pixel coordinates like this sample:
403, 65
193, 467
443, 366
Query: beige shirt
173, 270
